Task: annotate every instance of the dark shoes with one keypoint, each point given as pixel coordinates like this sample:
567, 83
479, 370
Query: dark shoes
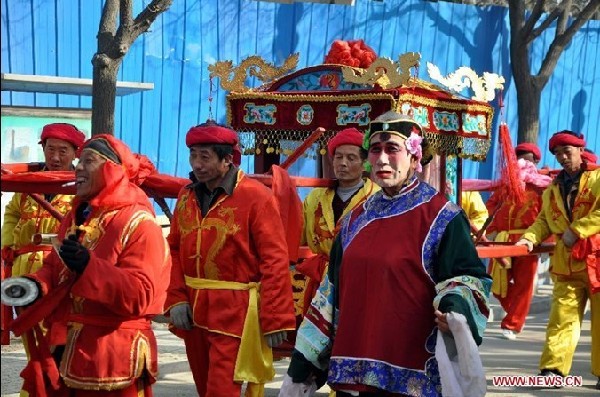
598, 384
550, 373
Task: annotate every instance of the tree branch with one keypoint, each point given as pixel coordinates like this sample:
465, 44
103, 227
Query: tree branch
564, 16
516, 16
536, 13
560, 42
108, 20
147, 16
126, 14
535, 33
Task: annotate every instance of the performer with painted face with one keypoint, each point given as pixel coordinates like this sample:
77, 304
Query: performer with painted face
401, 262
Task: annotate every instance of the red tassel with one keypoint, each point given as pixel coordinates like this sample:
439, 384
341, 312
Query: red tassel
509, 167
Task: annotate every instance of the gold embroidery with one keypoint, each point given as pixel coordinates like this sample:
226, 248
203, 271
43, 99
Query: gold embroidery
133, 223
222, 228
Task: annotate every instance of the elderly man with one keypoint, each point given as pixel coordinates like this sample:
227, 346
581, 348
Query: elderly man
324, 207
230, 297
25, 218
102, 286
399, 259
571, 212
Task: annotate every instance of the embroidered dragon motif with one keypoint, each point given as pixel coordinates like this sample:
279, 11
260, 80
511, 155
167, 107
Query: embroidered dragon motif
224, 226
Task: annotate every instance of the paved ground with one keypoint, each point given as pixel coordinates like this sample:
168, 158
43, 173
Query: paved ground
500, 357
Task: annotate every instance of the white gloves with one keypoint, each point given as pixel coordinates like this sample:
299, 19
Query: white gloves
569, 238
181, 316
526, 242
275, 339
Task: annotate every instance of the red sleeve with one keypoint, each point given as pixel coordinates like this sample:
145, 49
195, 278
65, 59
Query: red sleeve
177, 292
276, 302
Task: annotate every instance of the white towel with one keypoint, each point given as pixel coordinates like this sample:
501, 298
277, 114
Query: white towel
461, 370
291, 389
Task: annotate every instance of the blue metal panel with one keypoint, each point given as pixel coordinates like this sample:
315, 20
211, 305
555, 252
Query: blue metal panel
173, 44
5, 47
191, 81
59, 37
44, 47
20, 36
68, 38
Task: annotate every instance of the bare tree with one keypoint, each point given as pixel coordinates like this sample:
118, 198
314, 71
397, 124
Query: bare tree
523, 31
113, 44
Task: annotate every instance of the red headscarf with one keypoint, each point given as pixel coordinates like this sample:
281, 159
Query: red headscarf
589, 157
566, 138
121, 180
349, 136
212, 133
527, 147
63, 131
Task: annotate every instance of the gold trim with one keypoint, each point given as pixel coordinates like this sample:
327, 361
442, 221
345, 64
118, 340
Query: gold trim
383, 71
254, 66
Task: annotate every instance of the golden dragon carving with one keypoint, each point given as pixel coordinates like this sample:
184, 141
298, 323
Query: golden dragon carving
383, 71
233, 78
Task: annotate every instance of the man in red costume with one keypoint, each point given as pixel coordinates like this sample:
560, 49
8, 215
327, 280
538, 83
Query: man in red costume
513, 277
25, 217
230, 297
102, 285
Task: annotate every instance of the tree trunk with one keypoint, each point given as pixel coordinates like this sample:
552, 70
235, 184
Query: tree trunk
528, 101
104, 93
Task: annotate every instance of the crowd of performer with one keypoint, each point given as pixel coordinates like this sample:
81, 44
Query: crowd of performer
388, 250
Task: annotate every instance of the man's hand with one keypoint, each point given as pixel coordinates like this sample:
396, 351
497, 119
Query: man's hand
491, 236
441, 319
181, 316
275, 339
74, 254
526, 242
569, 238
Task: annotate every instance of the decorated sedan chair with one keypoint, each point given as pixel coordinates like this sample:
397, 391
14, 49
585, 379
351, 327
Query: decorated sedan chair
292, 117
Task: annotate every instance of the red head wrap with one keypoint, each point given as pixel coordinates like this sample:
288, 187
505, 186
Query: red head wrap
527, 147
349, 136
212, 133
63, 131
566, 138
589, 157
122, 174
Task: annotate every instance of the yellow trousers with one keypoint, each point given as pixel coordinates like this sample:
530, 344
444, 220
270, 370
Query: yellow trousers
569, 297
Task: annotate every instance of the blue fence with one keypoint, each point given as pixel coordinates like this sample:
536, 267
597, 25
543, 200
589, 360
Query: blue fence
58, 37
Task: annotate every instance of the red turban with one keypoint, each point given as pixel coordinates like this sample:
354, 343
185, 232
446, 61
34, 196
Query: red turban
566, 138
527, 147
212, 133
589, 157
63, 131
349, 136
